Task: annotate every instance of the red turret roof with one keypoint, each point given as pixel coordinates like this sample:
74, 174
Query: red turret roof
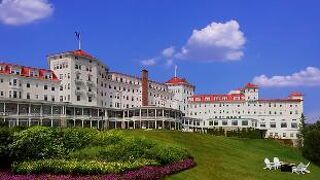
82, 53
250, 85
296, 93
176, 80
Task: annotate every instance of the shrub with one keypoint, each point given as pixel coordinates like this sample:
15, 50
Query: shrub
104, 138
61, 166
36, 143
6, 138
165, 154
76, 138
311, 142
87, 153
129, 148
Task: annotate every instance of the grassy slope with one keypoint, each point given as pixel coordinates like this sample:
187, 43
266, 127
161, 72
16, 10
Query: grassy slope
230, 158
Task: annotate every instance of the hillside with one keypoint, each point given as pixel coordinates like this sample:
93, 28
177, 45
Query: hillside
230, 158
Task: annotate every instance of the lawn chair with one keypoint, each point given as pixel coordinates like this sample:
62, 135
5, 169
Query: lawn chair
269, 165
276, 163
301, 168
304, 168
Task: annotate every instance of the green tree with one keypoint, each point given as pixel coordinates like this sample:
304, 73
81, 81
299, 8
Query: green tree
311, 142
301, 130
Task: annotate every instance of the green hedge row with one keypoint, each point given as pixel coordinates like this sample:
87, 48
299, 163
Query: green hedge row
62, 166
241, 133
38, 148
44, 142
132, 149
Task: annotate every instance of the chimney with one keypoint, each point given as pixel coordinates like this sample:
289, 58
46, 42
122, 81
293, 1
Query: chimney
145, 87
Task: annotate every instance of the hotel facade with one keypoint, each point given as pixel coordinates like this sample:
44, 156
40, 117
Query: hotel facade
80, 90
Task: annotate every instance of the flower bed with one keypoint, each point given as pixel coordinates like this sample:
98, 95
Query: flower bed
146, 172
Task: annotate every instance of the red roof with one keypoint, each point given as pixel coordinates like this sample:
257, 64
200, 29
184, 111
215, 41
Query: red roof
280, 100
26, 71
82, 53
217, 97
296, 93
178, 81
250, 85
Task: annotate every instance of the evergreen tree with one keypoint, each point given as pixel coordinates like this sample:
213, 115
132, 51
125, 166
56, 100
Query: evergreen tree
301, 130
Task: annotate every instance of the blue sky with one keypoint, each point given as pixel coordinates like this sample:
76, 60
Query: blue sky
270, 38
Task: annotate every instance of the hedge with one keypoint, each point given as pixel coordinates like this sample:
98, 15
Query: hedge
62, 166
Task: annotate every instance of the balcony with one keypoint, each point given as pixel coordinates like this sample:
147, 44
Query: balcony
79, 92
90, 83
91, 93
79, 81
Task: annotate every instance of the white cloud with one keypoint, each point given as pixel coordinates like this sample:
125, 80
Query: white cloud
18, 12
308, 77
216, 42
168, 52
149, 62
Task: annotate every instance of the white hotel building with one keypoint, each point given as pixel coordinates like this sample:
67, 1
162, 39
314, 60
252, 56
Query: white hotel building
79, 90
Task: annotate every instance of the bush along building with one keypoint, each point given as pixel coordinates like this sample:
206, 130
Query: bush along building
79, 90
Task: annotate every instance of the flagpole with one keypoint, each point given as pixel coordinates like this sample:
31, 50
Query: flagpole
175, 71
79, 41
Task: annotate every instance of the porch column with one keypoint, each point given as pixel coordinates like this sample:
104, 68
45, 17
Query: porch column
17, 108
155, 119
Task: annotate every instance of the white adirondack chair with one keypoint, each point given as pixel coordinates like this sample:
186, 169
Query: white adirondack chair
301, 168
276, 163
269, 165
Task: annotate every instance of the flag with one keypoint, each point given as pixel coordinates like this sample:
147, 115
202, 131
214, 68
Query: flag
77, 35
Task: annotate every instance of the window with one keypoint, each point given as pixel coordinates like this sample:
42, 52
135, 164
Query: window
45, 98
234, 123
15, 82
1, 93
224, 122
61, 98
216, 123
1, 80
89, 99
53, 88
210, 123
61, 88
28, 85
244, 123
52, 98
78, 98
294, 125
28, 95
15, 94
283, 125
263, 125
273, 125
45, 87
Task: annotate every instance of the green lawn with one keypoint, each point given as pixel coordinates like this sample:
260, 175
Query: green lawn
230, 158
